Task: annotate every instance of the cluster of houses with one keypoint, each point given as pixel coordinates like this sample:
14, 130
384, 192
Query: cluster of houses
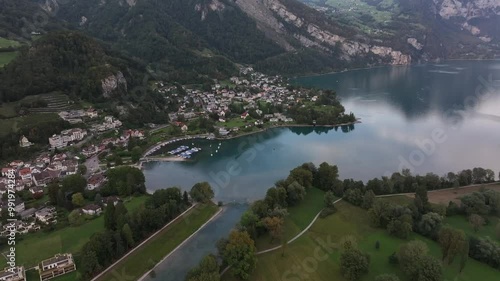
255, 88
66, 137
55, 266
77, 116
109, 123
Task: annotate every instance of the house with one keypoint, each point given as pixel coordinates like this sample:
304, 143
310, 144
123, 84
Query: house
24, 142
95, 181
7, 171
244, 115
46, 214
58, 265
56, 141
91, 113
13, 274
110, 200
223, 132
133, 134
42, 179
25, 173
89, 151
92, 210
18, 205
36, 190
16, 163
184, 128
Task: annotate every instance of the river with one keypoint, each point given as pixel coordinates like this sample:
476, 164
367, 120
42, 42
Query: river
428, 118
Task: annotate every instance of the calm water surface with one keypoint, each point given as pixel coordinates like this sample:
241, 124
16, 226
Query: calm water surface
430, 118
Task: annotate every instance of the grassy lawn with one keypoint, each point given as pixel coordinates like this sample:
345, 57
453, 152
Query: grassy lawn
308, 259
32, 275
8, 126
5, 43
6, 57
38, 246
153, 252
298, 219
236, 122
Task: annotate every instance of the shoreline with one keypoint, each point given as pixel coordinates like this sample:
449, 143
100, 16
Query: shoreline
146, 159
388, 65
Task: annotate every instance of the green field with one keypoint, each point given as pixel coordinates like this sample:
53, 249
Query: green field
307, 256
461, 222
235, 122
299, 217
6, 57
5, 43
33, 248
8, 126
148, 255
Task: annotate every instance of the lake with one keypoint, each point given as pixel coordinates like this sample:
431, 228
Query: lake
427, 118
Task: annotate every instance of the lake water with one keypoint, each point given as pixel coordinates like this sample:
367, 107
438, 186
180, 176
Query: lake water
428, 118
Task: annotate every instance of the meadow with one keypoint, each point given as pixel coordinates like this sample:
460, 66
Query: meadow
315, 255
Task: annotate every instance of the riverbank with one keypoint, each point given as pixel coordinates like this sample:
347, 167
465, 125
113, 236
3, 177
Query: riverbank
149, 253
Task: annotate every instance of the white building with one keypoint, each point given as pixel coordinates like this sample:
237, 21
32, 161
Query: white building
13, 274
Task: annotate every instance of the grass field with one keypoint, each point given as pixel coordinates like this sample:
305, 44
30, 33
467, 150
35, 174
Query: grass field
461, 222
8, 126
38, 246
6, 57
308, 259
235, 122
143, 259
299, 217
5, 43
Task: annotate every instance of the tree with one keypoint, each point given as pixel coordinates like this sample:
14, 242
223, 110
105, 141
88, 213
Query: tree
295, 193
302, 176
410, 253
387, 277
249, 221
98, 199
77, 199
368, 200
354, 263
89, 264
275, 226
452, 242
429, 225
428, 269
185, 198
75, 218
377, 245
476, 221
207, 270
326, 176
109, 217
464, 256
330, 199
128, 237
239, 253
74, 183
276, 197
136, 154
421, 192
82, 169
53, 189
497, 230
400, 227
202, 192
354, 196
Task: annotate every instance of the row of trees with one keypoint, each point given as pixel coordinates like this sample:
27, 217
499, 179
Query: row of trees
125, 229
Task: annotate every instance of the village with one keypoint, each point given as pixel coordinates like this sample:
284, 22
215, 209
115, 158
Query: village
98, 142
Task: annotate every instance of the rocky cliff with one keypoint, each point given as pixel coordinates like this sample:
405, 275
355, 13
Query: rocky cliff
279, 22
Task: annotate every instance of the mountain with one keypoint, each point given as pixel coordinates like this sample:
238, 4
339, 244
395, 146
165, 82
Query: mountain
70, 62
278, 36
424, 29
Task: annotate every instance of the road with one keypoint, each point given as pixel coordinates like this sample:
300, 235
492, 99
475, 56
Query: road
92, 164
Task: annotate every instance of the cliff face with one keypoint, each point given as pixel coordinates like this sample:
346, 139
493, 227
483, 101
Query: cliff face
280, 23
113, 83
474, 16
